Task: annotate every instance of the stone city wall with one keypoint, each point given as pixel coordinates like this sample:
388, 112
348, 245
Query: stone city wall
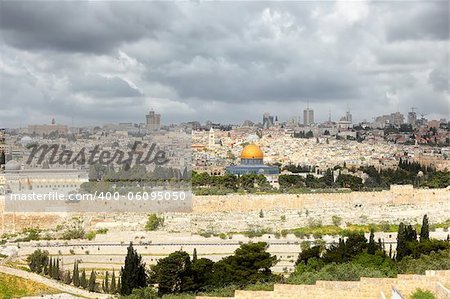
397, 195
234, 213
365, 288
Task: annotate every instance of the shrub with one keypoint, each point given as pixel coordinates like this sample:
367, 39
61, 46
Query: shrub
153, 222
421, 294
336, 220
433, 261
90, 235
313, 271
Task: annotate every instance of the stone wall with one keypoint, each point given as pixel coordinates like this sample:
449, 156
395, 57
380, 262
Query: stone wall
234, 213
365, 288
397, 195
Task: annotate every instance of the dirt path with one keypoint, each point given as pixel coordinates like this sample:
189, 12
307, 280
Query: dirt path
52, 283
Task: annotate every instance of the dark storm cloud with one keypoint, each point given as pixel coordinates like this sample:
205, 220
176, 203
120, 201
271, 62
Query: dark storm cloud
103, 62
92, 27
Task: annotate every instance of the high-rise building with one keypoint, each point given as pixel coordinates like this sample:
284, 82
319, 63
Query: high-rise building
412, 118
348, 116
267, 121
153, 121
308, 116
393, 119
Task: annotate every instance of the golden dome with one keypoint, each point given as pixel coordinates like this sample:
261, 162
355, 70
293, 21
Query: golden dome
252, 151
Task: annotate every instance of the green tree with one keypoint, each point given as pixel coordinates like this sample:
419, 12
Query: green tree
50, 267
113, 288
307, 254
249, 264
76, 274
372, 247
345, 251
173, 273
92, 284
105, 285
38, 260
425, 229
55, 269
83, 280
201, 270
67, 278
133, 273
194, 255
401, 251
328, 178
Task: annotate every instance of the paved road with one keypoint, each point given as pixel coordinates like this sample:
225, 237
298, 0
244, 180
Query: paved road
52, 283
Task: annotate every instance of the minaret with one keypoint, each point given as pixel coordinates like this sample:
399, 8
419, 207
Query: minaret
211, 140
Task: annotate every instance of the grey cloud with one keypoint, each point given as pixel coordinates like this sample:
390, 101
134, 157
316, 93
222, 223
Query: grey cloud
94, 27
438, 78
426, 20
109, 62
103, 87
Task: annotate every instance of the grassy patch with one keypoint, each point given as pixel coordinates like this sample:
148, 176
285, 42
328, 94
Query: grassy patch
14, 287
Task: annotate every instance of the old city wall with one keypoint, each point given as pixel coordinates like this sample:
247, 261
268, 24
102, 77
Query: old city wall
241, 212
397, 195
406, 285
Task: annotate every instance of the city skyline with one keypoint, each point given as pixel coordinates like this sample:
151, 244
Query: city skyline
83, 63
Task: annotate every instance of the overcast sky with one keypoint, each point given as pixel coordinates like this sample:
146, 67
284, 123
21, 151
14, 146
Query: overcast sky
97, 62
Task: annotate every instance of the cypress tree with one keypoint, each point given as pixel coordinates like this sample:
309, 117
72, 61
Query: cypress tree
425, 229
83, 281
76, 275
401, 242
119, 284
390, 251
106, 282
53, 275
112, 289
133, 273
194, 255
372, 247
91, 285
67, 278
50, 267
380, 245
411, 234
57, 276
